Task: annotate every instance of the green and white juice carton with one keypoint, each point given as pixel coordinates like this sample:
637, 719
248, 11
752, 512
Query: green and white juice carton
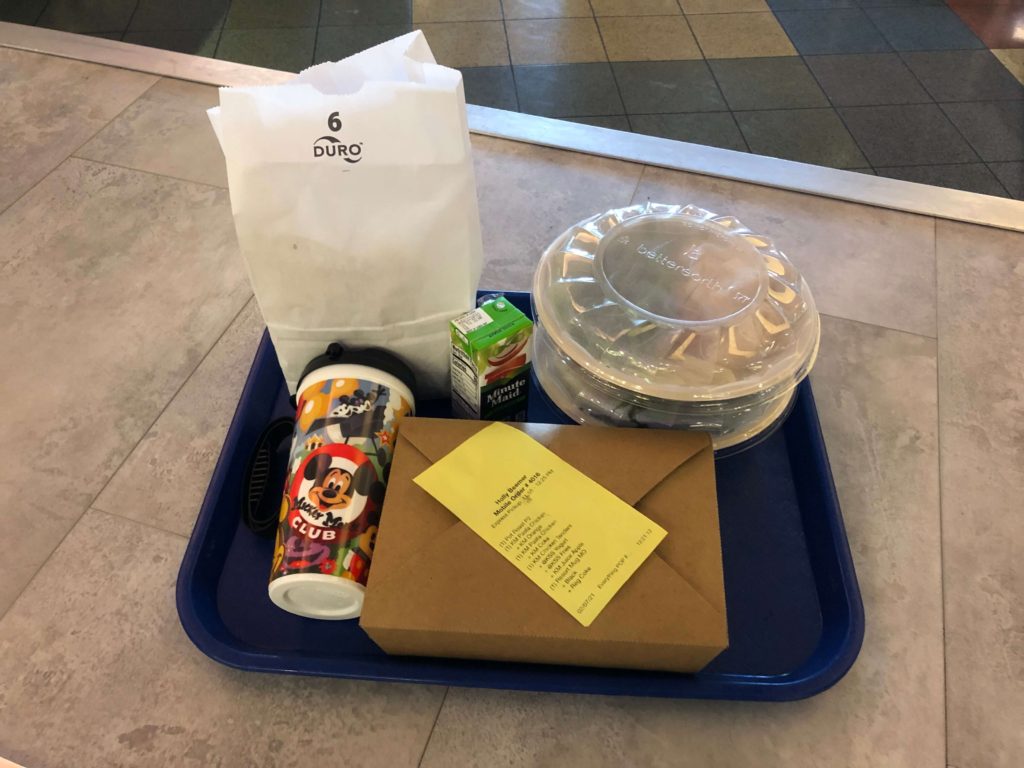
491, 362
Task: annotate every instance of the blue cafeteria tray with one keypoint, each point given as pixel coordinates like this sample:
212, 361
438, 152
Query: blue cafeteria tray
796, 621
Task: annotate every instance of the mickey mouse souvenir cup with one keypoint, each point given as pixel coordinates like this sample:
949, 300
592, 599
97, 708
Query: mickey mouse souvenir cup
350, 403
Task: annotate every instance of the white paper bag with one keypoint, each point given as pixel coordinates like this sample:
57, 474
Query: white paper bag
355, 205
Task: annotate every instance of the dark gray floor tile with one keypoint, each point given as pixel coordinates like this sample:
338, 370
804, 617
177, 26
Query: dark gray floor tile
615, 122
289, 49
713, 129
180, 14
92, 16
1012, 176
272, 14
490, 87
346, 12
807, 135
199, 42
769, 83
923, 29
898, 3
107, 35
809, 5
910, 134
994, 128
21, 11
970, 177
866, 79
964, 75
667, 86
334, 43
840, 30
564, 90
865, 171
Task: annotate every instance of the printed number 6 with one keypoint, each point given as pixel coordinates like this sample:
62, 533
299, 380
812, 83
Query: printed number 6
334, 122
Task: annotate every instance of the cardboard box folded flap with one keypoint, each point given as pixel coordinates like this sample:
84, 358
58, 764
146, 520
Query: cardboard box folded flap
438, 589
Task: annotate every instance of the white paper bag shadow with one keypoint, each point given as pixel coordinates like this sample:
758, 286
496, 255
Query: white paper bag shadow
355, 204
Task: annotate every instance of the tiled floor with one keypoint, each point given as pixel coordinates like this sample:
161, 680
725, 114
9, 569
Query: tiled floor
923, 90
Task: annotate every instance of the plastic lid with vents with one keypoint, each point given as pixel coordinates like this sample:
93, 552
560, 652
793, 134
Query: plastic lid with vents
677, 303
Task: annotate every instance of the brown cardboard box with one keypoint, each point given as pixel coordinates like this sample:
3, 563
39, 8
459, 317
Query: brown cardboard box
437, 589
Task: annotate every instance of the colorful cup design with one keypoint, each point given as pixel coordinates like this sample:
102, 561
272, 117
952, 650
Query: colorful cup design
340, 458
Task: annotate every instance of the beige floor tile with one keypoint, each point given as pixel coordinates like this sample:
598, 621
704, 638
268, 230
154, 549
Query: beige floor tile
740, 35
455, 10
546, 9
97, 671
635, 7
115, 284
554, 41
1013, 60
165, 131
468, 44
887, 711
171, 466
51, 106
862, 263
529, 195
723, 6
981, 412
648, 38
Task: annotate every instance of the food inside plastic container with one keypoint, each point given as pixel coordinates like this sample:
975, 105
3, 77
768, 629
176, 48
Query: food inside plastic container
672, 316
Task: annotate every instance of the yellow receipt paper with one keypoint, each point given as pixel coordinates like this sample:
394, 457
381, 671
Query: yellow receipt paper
570, 536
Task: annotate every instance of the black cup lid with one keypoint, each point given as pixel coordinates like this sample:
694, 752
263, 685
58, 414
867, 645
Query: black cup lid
371, 357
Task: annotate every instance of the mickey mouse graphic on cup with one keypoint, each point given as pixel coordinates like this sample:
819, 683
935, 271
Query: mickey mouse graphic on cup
348, 415
336, 499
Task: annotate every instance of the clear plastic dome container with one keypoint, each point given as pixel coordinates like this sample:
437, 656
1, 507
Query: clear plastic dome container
672, 316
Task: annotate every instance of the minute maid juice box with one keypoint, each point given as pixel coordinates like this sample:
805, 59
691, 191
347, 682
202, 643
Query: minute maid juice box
491, 362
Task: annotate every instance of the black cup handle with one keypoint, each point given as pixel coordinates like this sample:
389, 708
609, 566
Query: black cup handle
265, 475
